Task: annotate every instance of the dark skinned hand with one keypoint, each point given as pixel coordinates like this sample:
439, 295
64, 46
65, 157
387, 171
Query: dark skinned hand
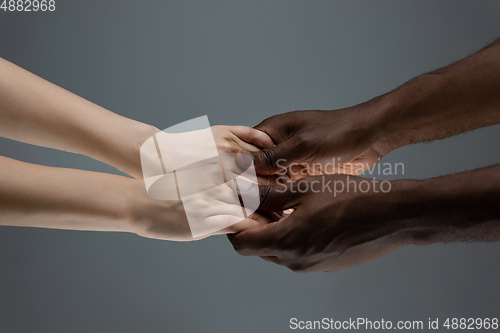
321, 142
328, 229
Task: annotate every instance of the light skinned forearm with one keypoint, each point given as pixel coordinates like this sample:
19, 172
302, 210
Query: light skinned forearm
35, 111
47, 197
462, 207
454, 99
58, 198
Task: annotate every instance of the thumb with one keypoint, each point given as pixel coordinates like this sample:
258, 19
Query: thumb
258, 241
279, 197
272, 160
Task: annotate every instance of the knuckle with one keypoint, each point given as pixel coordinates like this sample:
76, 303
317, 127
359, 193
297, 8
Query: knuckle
269, 122
252, 133
301, 137
269, 159
297, 267
242, 252
237, 246
226, 147
265, 194
288, 244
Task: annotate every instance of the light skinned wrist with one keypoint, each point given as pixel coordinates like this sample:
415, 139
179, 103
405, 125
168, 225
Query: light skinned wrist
131, 159
147, 217
120, 147
136, 205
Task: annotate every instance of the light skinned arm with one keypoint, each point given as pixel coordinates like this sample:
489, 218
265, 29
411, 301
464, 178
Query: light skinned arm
330, 230
454, 99
58, 198
35, 111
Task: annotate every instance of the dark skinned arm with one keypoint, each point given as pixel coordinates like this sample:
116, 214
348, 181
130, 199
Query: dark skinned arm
331, 229
454, 99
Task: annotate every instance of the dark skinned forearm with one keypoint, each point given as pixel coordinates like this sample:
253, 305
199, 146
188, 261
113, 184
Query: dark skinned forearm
328, 231
454, 99
462, 207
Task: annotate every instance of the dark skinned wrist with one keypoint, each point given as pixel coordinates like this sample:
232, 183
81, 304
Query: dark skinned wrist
455, 208
429, 212
399, 117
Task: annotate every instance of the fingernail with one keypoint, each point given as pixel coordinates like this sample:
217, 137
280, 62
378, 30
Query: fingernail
244, 184
284, 179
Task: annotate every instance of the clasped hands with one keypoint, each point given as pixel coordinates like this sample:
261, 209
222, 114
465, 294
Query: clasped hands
322, 230
282, 165
328, 230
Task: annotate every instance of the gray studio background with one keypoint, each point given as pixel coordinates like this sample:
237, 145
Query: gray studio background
163, 62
